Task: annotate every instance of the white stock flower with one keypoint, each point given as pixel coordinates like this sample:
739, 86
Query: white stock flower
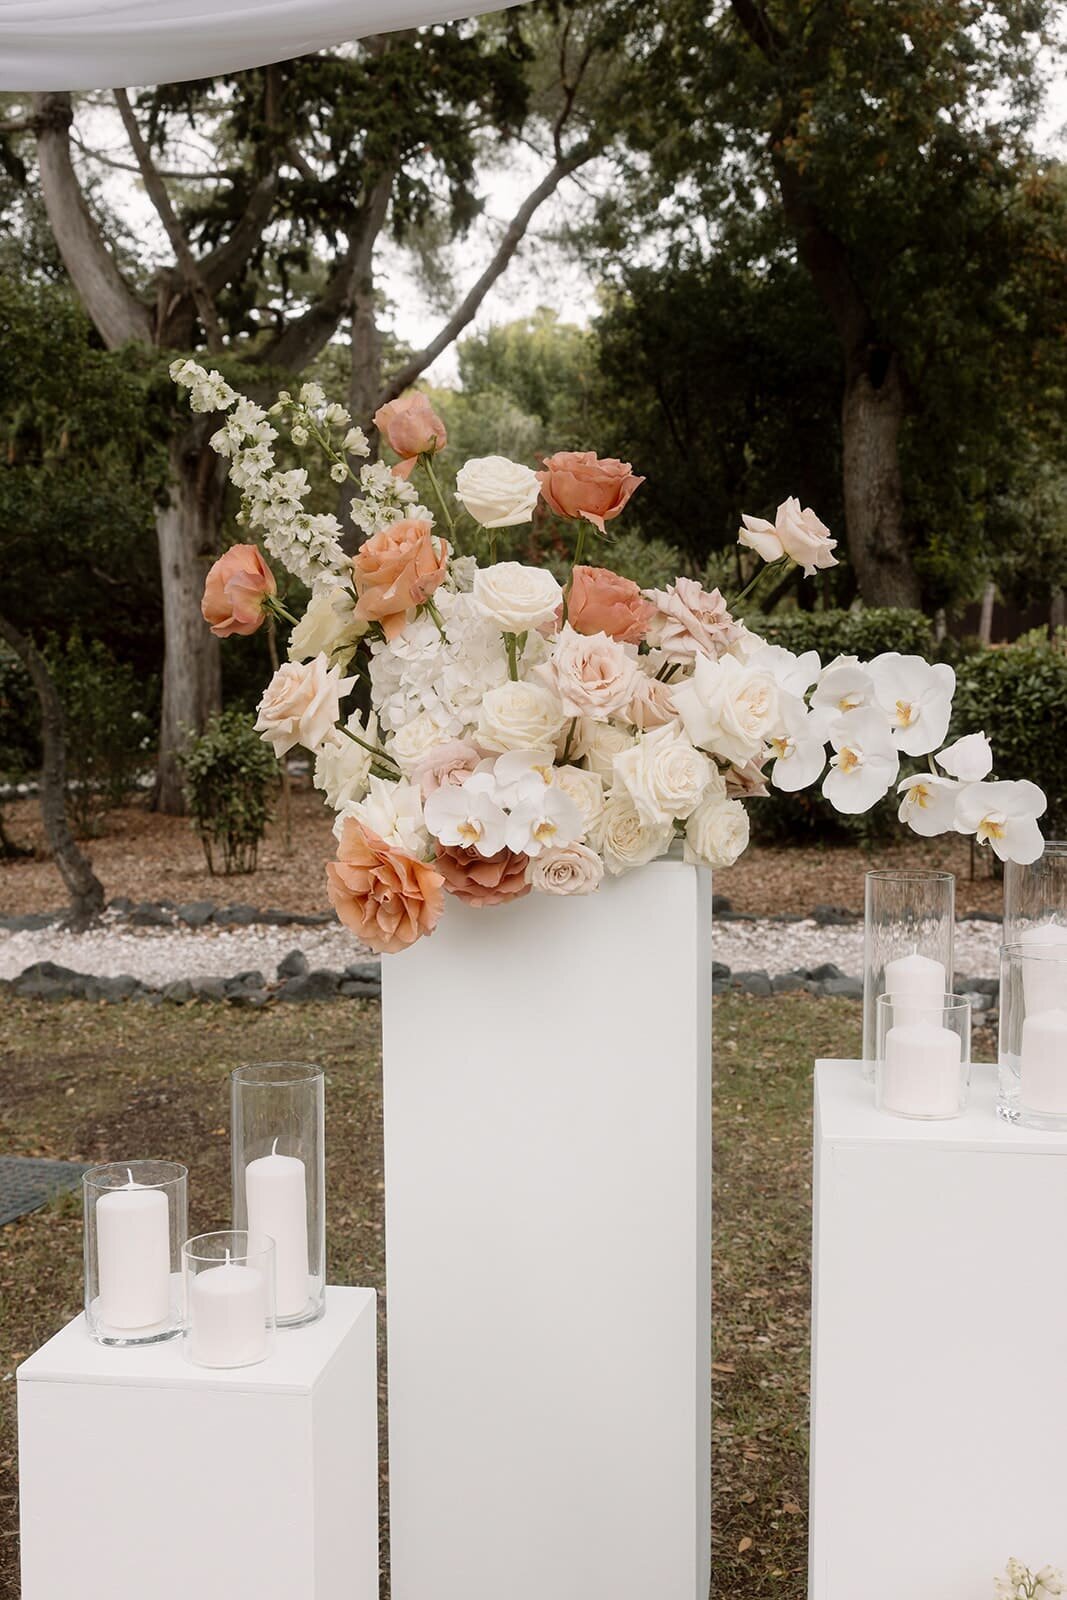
1003, 815
497, 492
1049, 1581
301, 704
342, 767
467, 815
799, 746
844, 686
664, 775
717, 832
624, 840
593, 675
394, 812
928, 806
355, 442
970, 759
917, 698
866, 762
516, 597
543, 818
327, 628
586, 789
598, 743
728, 708
565, 869
519, 716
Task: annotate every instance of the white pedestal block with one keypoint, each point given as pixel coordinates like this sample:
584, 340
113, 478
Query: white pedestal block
143, 1475
939, 1360
548, 1236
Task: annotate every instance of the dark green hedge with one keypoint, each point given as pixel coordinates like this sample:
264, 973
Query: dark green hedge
863, 633
1018, 696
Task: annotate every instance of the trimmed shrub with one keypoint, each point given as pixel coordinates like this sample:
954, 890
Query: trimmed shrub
863, 633
1018, 696
229, 778
110, 736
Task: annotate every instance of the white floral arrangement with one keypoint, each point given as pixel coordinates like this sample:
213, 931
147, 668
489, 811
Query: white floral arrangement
526, 735
1019, 1583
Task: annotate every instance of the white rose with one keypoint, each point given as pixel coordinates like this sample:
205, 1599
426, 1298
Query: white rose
598, 743
497, 492
664, 775
327, 628
624, 840
519, 716
728, 709
301, 704
342, 767
586, 789
717, 832
568, 869
414, 741
593, 675
515, 597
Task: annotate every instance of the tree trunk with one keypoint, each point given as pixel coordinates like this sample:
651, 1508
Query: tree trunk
985, 616
1057, 611
86, 890
871, 415
364, 386
188, 534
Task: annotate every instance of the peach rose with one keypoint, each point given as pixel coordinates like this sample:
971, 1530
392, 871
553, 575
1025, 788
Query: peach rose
689, 621
577, 483
600, 601
412, 428
396, 569
235, 591
482, 880
387, 898
450, 762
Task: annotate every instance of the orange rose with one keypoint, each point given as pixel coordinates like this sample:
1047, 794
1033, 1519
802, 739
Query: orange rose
483, 880
412, 428
600, 601
387, 898
395, 570
235, 591
576, 483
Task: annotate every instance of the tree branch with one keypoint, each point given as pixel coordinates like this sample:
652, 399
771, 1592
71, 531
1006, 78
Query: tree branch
156, 190
759, 27
223, 264
115, 309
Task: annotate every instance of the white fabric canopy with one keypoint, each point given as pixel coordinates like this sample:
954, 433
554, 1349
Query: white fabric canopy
106, 44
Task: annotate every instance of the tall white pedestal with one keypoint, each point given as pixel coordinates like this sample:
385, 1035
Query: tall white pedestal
140, 1474
939, 1394
548, 1236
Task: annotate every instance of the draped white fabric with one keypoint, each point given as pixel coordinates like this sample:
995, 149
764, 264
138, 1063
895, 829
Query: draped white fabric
104, 44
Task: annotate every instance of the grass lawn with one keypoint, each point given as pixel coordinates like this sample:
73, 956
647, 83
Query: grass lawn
90, 1084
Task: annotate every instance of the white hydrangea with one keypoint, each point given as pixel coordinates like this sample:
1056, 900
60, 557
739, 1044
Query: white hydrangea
446, 678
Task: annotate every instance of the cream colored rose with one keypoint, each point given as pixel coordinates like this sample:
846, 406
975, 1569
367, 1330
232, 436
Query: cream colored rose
519, 716
328, 627
570, 869
624, 840
300, 705
598, 743
414, 741
593, 675
586, 789
515, 597
342, 767
497, 492
652, 703
728, 709
663, 774
717, 832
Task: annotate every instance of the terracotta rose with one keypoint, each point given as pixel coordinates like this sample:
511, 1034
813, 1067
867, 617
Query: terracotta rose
235, 590
482, 880
600, 601
412, 428
395, 570
386, 897
577, 483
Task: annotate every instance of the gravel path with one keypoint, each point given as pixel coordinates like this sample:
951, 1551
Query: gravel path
158, 956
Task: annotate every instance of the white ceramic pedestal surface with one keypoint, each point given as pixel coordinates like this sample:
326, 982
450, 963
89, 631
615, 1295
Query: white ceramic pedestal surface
143, 1476
548, 1234
939, 1393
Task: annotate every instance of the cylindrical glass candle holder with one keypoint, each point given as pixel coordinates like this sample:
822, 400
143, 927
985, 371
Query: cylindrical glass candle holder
229, 1298
136, 1219
924, 1056
279, 1177
1035, 898
908, 931
1032, 1059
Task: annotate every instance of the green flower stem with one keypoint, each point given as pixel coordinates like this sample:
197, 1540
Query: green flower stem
376, 751
511, 646
569, 741
427, 462
579, 548
754, 583
430, 607
275, 607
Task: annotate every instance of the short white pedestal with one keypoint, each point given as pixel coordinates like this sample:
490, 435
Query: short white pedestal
939, 1394
143, 1475
548, 1209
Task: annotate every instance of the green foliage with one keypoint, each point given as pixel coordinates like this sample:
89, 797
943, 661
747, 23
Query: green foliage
866, 632
1018, 696
110, 731
230, 775
20, 752
544, 367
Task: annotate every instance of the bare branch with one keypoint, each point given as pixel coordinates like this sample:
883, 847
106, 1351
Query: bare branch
223, 264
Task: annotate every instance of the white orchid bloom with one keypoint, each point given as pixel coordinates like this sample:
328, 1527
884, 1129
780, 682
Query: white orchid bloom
1004, 816
866, 762
800, 747
543, 821
793, 674
970, 759
929, 804
518, 773
394, 812
467, 816
917, 698
844, 686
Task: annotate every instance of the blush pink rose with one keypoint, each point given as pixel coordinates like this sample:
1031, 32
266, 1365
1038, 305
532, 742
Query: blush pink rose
387, 898
448, 763
483, 880
594, 676
747, 782
689, 621
412, 428
577, 483
652, 704
795, 532
395, 570
600, 601
236, 590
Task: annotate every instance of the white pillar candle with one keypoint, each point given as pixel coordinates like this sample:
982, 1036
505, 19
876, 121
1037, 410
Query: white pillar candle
922, 1075
918, 985
276, 1196
227, 1315
1045, 981
133, 1250
1043, 1062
